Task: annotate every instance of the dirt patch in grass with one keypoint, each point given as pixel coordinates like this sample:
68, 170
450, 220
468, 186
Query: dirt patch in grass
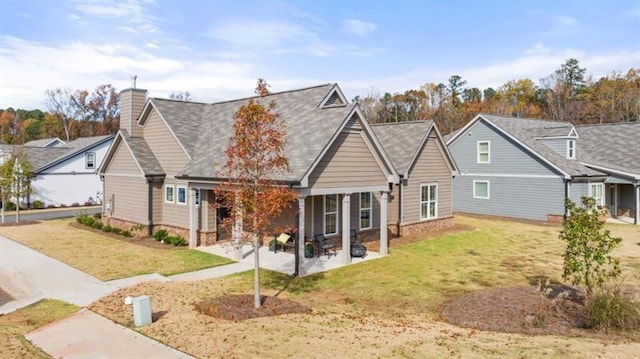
558, 310
240, 307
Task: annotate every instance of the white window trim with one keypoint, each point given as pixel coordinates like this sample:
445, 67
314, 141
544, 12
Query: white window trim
601, 185
488, 152
370, 209
429, 200
173, 191
186, 195
324, 215
571, 150
86, 160
488, 189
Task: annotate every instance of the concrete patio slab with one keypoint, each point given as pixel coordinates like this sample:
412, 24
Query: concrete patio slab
284, 262
87, 335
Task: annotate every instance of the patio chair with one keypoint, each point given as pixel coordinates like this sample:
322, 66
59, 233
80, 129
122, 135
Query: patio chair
324, 245
357, 248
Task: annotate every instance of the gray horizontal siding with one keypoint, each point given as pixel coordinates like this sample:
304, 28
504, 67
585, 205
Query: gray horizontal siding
507, 157
531, 198
559, 145
626, 196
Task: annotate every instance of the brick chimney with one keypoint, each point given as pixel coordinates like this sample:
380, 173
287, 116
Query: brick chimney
131, 103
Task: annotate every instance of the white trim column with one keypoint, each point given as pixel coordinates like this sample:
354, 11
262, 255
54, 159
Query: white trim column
637, 220
193, 224
346, 226
384, 240
301, 230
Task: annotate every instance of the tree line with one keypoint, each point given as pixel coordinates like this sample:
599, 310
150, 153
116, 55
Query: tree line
568, 94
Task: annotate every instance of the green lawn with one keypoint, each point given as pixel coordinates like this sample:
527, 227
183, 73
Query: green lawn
104, 257
14, 326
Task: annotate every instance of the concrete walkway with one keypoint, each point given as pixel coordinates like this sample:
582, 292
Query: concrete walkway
29, 276
87, 335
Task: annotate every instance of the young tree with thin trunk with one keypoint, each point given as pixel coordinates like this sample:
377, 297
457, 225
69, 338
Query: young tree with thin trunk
255, 162
15, 181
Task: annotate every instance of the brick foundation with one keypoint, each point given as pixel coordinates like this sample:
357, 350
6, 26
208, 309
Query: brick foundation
205, 238
136, 229
423, 226
555, 218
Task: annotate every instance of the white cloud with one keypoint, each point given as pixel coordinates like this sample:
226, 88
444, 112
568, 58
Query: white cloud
262, 34
565, 21
152, 45
130, 11
357, 27
538, 48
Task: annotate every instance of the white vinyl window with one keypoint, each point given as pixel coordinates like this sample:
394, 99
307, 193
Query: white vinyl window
365, 210
596, 191
90, 160
182, 195
330, 214
571, 149
484, 152
481, 189
428, 201
169, 195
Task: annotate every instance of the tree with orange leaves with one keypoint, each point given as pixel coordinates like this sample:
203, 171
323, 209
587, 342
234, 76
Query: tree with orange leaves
254, 189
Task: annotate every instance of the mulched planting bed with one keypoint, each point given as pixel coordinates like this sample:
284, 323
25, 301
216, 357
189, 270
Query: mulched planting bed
143, 241
525, 309
240, 307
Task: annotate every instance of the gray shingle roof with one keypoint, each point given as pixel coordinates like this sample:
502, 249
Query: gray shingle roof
143, 155
184, 118
43, 142
308, 130
614, 146
41, 158
526, 130
401, 141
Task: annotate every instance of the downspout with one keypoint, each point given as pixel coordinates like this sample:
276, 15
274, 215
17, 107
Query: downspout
399, 220
150, 208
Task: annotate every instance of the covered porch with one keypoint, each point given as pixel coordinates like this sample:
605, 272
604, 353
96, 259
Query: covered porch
622, 199
284, 262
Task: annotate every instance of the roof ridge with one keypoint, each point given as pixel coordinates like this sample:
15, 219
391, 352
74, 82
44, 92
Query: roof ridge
609, 124
399, 123
273, 93
526, 118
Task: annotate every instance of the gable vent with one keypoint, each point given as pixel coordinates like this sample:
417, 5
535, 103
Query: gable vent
333, 100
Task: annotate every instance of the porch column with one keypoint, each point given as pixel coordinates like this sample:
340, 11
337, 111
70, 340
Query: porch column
346, 226
204, 209
301, 233
193, 226
637, 220
384, 241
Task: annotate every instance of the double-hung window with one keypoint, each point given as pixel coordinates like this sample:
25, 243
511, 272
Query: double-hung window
90, 160
365, 210
330, 214
484, 152
169, 195
571, 149
596, 191
182, 195
481, 189
428, 201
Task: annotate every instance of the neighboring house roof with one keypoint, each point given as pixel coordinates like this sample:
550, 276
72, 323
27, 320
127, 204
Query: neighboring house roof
42, 158
525, 131
611, 147
45, 142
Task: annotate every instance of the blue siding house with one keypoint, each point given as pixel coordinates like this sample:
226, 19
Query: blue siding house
521, 168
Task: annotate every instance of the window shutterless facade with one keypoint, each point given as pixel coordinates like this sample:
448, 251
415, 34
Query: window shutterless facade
365, 210
330, 214
571, 149
481, 189
90, 160
596, 191
484, 152
169, 195
428, 200
182, 195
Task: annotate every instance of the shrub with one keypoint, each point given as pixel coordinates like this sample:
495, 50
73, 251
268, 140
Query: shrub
176, 240
161, 235
97, 215
97, 225
116, 230
51, 206
37, 204
107, 229
62, 205
609, 308
126, 233
75, 204
9, 206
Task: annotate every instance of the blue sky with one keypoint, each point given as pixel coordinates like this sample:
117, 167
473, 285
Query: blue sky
217, 49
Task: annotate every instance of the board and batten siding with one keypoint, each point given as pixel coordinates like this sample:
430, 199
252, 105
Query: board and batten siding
123, 162
530, 198
348, 163
127, 197
506, 156
430, 167
164, 145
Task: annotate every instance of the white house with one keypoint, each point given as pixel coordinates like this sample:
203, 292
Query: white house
66, 173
